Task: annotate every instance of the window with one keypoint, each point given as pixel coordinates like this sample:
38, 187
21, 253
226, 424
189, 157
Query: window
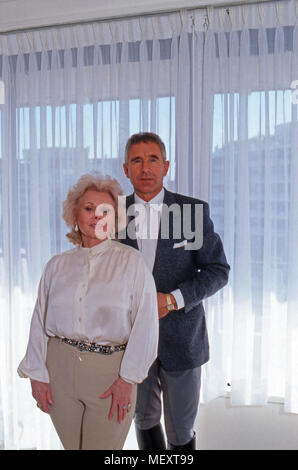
263, 149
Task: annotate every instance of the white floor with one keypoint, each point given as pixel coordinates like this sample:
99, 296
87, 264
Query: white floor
131, 441
226, 427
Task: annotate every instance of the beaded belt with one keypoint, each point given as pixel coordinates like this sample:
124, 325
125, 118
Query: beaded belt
93, 347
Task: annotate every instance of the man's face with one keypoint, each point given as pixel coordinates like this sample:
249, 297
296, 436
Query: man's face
146, 169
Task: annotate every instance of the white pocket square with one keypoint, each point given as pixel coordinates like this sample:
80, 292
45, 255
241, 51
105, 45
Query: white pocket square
178, 245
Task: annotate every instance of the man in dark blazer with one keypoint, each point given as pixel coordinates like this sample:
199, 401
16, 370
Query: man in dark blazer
188, 263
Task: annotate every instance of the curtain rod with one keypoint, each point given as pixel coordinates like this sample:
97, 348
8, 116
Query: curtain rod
224, 4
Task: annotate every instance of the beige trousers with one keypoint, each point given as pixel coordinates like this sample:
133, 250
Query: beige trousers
79, 416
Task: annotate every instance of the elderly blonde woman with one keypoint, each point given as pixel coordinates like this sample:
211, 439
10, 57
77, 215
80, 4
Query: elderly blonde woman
94, 330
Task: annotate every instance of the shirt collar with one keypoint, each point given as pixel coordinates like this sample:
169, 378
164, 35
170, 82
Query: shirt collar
158, 199
99, 248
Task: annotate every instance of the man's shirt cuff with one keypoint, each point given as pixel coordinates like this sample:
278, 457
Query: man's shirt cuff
179, 298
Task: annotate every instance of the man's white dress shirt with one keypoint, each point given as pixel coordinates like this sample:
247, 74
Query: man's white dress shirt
147, 234
104, 294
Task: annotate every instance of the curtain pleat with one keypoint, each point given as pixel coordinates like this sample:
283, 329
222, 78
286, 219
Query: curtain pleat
248, 76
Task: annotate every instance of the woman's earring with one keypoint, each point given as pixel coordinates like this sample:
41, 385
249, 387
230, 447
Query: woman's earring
76, 228
112, 233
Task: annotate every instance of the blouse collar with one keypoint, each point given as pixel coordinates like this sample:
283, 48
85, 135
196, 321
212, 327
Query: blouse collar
99, 248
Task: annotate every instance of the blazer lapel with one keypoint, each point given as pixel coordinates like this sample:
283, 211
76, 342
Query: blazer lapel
164, 244
130, 200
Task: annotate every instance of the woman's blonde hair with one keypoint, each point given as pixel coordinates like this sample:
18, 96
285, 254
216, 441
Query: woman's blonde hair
99, 183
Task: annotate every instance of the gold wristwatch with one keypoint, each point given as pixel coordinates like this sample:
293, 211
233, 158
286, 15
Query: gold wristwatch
170, 305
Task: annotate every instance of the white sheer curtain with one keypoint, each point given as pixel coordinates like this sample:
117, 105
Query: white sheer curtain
72, 98
248, 172
216, 87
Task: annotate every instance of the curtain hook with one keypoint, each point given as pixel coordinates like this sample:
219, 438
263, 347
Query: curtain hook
154, 32
182, 18
209, 18
277, 15
30, 40
206, 21
192, 23
93, 32
296, 10
140, 25
260, 16
172, 23
229, 16
111, 32
96, 44
243, 15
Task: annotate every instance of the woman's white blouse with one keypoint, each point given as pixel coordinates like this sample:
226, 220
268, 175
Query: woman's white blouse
105, 295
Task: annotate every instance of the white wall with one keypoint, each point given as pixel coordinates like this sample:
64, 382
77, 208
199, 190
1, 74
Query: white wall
18, 14
223, 427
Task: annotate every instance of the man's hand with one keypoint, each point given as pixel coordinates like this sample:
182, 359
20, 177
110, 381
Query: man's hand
121, 397
163, 305
41, 391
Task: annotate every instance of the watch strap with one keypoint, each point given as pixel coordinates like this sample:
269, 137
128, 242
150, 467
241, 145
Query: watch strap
170, 305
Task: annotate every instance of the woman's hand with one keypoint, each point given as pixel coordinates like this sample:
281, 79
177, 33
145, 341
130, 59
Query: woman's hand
121, 397
41, 391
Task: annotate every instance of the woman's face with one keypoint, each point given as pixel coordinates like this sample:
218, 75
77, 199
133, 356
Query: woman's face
92, 207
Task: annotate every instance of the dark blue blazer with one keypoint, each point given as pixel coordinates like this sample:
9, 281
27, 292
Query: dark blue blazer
183, 339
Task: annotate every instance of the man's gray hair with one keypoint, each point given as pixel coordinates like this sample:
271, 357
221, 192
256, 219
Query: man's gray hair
145, 137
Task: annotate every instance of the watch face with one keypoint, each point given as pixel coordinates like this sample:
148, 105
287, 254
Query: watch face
170, 307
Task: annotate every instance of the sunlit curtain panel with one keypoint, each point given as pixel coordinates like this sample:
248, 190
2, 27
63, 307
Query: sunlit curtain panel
250, 77
66, 111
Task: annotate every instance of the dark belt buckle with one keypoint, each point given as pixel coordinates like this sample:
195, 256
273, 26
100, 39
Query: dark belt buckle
81, 346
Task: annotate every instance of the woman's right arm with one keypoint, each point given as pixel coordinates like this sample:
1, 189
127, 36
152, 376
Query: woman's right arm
41, 392
141, 349
34, 363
